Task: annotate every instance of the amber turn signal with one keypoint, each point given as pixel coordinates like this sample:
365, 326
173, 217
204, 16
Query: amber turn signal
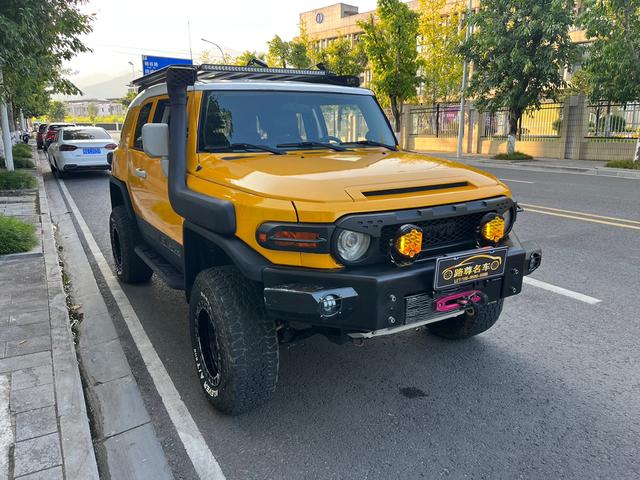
492, 228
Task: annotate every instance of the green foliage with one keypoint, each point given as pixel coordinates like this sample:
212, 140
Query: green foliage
21, 150
278, 52
36, 37
57, 111
16, 180
297, 56
390, 45
513, 156
519, 50
342, 58
128, 98
612, 68
16, 236
440, 40
629, 164
245, 57
92, 110
18, 162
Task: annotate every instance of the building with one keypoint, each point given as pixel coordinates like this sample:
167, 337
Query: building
328, 23
105, 108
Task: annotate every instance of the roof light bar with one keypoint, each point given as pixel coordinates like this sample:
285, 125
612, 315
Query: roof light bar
208, 72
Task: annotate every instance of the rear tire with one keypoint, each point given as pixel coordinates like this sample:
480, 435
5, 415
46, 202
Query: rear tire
235, 345
465, 325
124, 237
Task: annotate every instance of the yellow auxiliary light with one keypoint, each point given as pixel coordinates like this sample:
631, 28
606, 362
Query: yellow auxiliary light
492, 228
408, 243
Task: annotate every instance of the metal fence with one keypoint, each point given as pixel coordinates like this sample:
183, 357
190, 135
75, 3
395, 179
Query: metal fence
541, 124
441, 120
615, 121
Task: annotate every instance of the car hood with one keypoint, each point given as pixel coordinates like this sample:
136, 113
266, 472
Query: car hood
360, 175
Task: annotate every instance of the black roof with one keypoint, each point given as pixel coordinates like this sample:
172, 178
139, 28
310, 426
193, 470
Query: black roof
207, 72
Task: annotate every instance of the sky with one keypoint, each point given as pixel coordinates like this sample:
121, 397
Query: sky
123, 30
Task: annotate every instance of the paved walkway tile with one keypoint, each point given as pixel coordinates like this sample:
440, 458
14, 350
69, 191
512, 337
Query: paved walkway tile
31, 398
36, 423
31, 377
37, 454
54, 473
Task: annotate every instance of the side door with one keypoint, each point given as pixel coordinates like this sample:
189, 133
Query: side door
136, 175
161, 214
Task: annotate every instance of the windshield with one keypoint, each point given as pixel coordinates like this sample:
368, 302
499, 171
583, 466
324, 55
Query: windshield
283, 119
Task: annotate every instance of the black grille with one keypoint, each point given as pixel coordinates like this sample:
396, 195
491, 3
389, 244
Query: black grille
440, 233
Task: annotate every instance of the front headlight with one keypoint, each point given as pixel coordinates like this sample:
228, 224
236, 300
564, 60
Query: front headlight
352, 246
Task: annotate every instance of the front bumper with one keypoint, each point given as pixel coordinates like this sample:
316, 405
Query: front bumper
382, 296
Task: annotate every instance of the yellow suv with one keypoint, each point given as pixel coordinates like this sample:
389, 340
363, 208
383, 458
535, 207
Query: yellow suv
280, 202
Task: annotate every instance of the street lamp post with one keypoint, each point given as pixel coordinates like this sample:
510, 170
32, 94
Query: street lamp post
465, 77
215, 44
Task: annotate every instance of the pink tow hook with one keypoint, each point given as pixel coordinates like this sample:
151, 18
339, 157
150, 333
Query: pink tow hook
459, 300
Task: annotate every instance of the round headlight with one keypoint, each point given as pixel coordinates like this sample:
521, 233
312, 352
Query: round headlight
352, 246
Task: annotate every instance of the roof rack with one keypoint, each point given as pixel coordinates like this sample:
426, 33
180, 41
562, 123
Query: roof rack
208, 72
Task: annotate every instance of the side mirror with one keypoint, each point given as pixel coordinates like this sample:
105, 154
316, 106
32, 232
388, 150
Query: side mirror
155, 143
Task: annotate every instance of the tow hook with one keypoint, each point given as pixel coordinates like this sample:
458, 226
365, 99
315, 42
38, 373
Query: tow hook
467, 301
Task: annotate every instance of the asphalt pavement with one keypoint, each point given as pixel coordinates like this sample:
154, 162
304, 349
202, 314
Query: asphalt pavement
551, 391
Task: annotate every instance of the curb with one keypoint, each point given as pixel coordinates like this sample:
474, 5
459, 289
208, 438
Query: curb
77, 447
126, 445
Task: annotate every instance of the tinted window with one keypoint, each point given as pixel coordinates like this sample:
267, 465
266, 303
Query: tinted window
276, 118
143, 117
162, 112
86, 134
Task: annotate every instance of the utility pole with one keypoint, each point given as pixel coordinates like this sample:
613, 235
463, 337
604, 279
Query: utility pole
465, 78
6, 135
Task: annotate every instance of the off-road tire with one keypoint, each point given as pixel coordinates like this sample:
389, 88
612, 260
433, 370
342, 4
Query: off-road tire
465, 325
235, 345
124, 237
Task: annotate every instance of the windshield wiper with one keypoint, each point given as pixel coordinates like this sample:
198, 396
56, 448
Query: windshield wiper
373, 143
247, 146
331, 146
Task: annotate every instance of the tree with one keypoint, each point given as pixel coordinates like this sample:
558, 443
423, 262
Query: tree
36, 37
519, 51
297, 54
92, 112
57, 111
342, 58
245, 57
128, 98
390, 45
278, 52
440, 38
611, 70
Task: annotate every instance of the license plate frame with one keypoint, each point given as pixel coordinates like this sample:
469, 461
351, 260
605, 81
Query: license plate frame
484, 263
91, 151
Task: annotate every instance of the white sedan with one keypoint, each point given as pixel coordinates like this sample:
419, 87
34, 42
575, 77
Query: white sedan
80, 148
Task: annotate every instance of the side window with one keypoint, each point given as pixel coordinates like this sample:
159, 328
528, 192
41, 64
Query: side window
162, 112
143, 117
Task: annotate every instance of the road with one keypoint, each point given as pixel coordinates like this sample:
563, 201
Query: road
552, 391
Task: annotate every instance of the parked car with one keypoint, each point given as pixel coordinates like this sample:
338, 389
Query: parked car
52, 128
240, 186
80, 148
42, 129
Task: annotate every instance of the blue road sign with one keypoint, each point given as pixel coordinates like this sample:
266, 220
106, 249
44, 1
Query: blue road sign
152, 63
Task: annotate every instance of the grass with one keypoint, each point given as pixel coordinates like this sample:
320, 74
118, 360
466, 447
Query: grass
16, 180
513, 156
16, 236
629, 164
22, 157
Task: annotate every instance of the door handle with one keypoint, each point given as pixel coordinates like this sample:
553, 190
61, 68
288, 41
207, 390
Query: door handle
141, 173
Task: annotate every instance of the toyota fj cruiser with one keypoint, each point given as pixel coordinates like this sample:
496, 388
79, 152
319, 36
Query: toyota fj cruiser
280, 202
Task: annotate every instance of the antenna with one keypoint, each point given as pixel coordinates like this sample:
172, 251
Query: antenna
189, 32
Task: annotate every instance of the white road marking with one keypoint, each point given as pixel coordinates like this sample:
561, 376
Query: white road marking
561, 291
516, 181
196, 447
6, 431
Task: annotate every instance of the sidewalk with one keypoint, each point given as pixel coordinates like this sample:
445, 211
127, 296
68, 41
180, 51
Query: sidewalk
44, 430
585, 167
